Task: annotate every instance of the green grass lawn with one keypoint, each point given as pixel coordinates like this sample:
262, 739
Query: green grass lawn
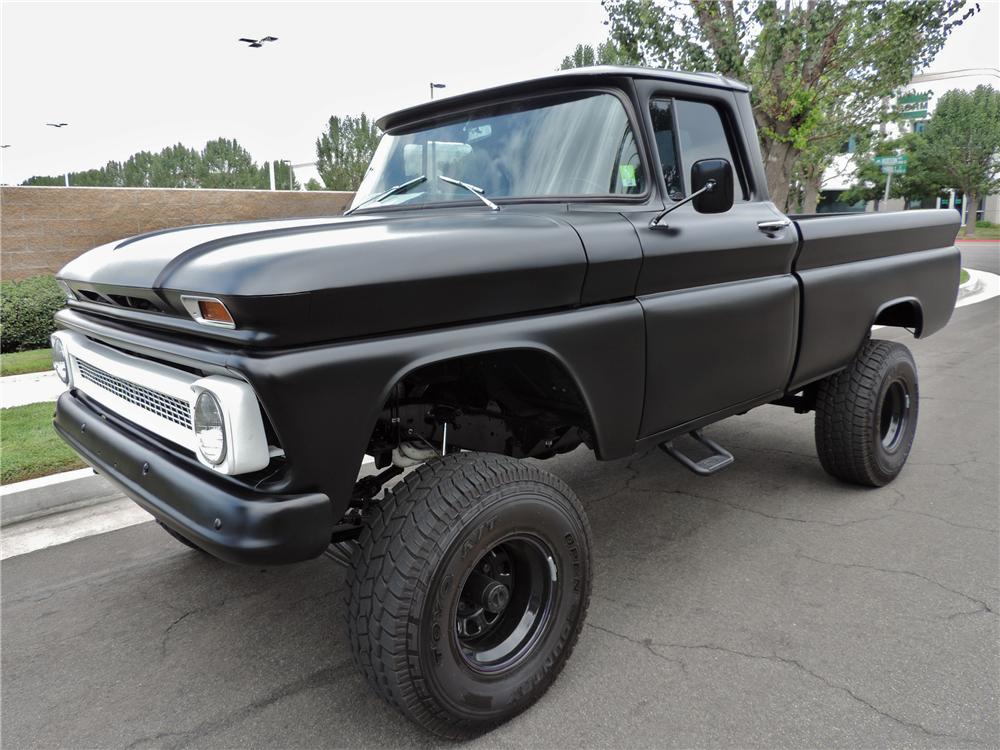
29, 446
983, 233
18, 363
964, 277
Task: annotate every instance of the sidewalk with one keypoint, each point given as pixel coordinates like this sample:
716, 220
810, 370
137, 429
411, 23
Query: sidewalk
18, 390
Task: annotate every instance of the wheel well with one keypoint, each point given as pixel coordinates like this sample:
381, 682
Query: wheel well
520, 403
903, 313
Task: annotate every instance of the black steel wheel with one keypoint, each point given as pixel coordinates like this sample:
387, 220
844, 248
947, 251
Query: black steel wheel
505, 603
866, 415
469, 589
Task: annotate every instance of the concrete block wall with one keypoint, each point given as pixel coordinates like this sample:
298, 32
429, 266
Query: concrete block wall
43, 228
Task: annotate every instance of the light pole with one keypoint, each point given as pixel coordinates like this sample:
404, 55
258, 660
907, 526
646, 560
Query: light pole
60, 125
435, 86
291, 173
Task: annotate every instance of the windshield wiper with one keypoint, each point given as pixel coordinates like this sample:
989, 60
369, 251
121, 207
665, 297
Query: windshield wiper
385, 194
475, 190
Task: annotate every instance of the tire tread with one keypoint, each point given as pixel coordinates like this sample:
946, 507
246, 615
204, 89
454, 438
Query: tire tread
845, 403
390, 565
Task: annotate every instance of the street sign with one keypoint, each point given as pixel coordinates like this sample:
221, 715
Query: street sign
913, 106
892, 161
893, 164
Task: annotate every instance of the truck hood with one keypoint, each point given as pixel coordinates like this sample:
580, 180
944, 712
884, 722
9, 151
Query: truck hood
361, 275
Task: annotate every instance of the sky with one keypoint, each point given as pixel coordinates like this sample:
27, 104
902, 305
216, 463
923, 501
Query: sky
134, 76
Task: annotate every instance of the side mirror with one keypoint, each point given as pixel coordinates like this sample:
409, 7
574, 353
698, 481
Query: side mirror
718, 199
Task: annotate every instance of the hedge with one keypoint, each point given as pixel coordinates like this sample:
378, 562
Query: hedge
27, 308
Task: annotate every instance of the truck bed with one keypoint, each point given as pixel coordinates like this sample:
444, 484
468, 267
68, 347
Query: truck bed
853, 268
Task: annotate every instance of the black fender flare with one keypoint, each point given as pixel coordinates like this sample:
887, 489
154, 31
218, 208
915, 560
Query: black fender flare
324, 401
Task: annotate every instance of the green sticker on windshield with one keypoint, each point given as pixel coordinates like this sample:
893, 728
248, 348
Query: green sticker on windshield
626, 172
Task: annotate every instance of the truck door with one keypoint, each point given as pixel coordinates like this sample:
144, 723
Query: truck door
720, 303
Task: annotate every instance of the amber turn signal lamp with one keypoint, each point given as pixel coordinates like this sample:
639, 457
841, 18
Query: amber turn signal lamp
208, 311
215, 311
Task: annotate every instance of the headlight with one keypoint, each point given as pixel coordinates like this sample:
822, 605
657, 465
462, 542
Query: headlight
210, 428
70, 296
60, 363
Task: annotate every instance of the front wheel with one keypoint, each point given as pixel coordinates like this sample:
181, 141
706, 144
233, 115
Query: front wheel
469, 589
866, 415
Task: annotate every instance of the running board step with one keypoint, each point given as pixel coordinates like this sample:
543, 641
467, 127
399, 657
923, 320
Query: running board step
719, 460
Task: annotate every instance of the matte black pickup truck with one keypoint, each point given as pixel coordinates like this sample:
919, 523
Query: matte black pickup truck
588, 258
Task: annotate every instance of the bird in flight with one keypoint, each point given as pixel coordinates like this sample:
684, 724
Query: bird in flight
57, 124
5, 145
258, 42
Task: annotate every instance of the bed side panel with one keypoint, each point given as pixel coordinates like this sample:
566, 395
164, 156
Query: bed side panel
840, 303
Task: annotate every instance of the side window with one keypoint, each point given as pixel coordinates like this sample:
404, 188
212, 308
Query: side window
662, 115
702, 135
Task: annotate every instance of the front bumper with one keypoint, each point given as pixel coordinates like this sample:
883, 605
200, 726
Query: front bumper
219, 514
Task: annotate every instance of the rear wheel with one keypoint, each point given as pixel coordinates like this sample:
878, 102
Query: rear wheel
866, 415
469, 589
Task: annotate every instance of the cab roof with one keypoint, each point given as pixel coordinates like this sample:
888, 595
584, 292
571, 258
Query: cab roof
592, 74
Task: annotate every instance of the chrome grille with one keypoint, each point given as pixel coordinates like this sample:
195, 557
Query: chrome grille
171, 408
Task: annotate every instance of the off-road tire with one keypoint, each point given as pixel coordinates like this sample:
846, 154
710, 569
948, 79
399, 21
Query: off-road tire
181, 538
852, 429
407, 580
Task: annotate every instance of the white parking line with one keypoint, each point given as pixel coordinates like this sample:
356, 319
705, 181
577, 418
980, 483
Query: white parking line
22, 538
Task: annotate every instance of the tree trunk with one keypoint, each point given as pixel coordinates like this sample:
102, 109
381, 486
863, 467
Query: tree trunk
811, 199
778, 160
971, 204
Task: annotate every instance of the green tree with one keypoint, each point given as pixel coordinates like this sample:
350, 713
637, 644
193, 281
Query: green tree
959, 147
137, 171
818, 68
222, 163
345, 150
175, 167
869, 179
281, 177
44, 181
226, 164
314, 184
585, 56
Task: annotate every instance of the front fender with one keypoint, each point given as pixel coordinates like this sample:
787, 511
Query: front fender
324, 401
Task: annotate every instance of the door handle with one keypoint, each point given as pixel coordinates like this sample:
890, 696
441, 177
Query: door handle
775, 225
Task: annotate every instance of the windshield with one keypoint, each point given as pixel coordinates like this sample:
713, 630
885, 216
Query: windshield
575, 145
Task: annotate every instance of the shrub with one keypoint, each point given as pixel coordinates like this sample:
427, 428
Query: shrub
984, 224
27, 308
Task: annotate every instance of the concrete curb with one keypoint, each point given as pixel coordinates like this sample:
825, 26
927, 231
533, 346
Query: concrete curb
48, 499
72, 490
981, 286
970, 287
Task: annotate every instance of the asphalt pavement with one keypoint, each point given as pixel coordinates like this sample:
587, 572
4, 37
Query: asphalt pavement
768, 606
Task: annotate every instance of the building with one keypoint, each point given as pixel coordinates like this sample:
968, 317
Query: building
917, 102
970, 57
